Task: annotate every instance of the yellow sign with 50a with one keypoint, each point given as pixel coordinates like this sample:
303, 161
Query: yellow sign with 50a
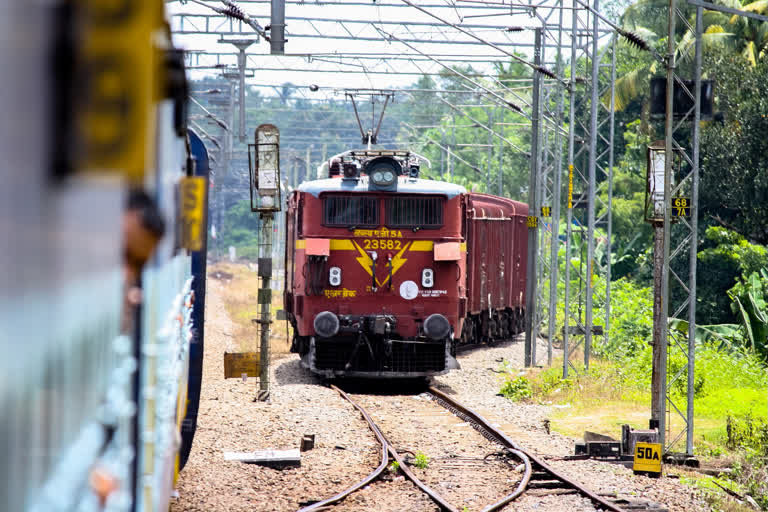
647, 458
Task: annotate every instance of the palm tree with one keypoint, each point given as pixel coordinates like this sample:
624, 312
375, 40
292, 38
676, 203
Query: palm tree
648, 19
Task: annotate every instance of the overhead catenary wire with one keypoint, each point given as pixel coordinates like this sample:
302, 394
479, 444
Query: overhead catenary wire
486, 128
519, 59
444, 148
234, 11
504, 101
633, 38
211, 115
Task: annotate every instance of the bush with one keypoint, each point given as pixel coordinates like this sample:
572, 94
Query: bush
516, 389
750, 436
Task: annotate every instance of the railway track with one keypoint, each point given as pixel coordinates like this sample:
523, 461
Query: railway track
536, 474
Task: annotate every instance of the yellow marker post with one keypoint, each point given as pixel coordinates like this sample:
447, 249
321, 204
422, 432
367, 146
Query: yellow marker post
570, 186
647, 459
193, 190
120, 75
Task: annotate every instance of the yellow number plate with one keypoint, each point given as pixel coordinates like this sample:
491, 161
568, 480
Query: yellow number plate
647, 457
681, 207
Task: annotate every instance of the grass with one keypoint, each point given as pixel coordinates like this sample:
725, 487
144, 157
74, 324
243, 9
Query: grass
240, 300
421, 460
731, 414
613, 393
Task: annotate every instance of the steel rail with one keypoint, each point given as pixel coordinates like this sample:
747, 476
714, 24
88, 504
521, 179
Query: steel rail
421, 485
368, 479
386, 449
504, 440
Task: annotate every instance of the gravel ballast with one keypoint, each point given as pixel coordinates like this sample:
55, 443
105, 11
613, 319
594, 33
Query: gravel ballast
346, 450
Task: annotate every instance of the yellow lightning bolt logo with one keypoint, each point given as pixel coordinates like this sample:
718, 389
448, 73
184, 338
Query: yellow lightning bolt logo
364, 259
397, 262
367, 263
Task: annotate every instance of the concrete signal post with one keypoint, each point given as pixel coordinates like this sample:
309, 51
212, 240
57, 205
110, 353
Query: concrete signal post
654, 214
264, 167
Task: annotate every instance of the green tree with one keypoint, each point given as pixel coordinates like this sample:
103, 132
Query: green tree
734, 169
726, 259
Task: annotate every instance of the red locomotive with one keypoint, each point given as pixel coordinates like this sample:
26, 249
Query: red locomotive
387, 273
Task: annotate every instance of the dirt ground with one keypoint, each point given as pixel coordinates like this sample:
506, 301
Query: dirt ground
240, 284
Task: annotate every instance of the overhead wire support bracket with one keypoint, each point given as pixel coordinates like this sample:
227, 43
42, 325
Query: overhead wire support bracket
714, 7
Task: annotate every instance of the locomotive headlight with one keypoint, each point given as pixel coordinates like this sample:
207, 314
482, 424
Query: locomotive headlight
427, 278
382, 176
334, 276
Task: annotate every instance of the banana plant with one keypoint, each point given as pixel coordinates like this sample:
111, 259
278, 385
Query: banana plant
749, 303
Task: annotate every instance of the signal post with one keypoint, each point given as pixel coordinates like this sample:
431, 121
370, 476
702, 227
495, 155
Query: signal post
264, 167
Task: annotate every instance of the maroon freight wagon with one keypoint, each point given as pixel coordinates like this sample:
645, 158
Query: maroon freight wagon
386, 272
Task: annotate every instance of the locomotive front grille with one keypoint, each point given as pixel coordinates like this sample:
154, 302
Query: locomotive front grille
406, 357
418, 357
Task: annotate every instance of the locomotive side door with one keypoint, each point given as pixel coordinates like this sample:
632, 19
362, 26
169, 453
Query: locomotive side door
290, 249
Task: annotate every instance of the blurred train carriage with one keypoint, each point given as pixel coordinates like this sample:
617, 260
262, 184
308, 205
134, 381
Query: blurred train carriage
386, 273
92, 415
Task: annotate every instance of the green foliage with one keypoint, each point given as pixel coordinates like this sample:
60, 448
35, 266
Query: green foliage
750, 436
734, 171
240, 229
727, 256
394, 466
516, 389
749, 302
631, 320
421, 460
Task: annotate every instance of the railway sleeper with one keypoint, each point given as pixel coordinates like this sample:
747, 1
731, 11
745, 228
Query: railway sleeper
547, 484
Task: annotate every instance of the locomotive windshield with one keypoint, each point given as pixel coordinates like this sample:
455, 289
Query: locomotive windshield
415, 212
346, 211
421, 212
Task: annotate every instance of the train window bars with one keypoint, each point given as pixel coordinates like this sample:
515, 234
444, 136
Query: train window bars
415, 212
350, 211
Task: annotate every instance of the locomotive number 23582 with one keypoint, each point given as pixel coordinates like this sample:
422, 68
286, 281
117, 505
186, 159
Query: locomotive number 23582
384, 244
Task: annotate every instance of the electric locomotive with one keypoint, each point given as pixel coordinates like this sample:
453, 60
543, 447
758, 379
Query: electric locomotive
386, 272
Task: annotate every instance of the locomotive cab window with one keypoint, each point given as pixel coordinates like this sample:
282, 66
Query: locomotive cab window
415, 212
349, 211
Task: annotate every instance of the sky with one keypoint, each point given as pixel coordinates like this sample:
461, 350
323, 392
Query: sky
315, 53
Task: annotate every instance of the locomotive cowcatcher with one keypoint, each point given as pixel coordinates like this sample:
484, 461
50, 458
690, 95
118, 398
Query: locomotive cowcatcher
386, 273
